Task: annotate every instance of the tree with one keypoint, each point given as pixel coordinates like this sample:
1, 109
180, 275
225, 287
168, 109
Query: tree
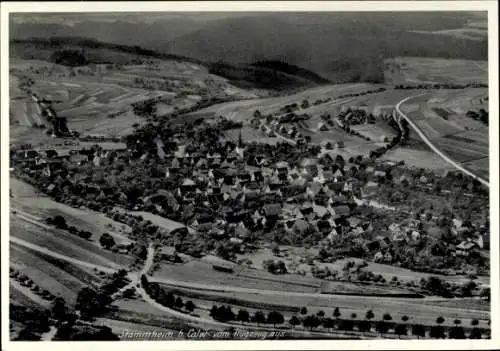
387, 317
303, 311
60, 222
243, 316
382, 327
369, 315
90, 303
275, 249
457, 332
170, 299
178, 302
364, 326
274, 318
440, 320
418, 330
400, 330
320, 313
214, 311
336, 313
475, 333
437, 332
294, 321
328, 323
346, 325
107, 241
405, 318
84, 234
190, 306
311, 322
354, 315
259, 317
59, 309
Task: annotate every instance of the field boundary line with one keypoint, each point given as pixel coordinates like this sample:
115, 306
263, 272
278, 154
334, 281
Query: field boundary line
432, 146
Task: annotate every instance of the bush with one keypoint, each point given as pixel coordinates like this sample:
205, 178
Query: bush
85, 234
346, 325
437, 332
400, 329
364, 326
60, 222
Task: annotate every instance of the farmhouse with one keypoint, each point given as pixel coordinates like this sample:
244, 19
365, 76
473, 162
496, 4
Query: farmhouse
465, 248
168, 253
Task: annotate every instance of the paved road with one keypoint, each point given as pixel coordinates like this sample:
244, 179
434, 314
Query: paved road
432, 146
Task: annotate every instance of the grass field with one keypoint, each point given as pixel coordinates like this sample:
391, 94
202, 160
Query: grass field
66, 244
160, 221
203, 273
417, 309
90, 99
463, 139
60, 278
243, 110
23, 296
420, 70
26, 199
417, 158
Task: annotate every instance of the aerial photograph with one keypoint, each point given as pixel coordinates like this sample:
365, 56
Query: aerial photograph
248, 176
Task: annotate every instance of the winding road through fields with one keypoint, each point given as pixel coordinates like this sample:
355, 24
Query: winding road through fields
432, 146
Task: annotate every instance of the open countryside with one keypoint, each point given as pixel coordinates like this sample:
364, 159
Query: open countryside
156, 191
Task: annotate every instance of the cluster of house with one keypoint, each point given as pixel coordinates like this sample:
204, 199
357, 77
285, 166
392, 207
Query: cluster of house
242, 193
473, 240
313, 195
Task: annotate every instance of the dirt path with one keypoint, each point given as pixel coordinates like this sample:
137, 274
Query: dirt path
48, 336
135, 278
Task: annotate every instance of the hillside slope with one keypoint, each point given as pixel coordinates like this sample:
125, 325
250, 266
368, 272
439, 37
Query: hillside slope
340, 47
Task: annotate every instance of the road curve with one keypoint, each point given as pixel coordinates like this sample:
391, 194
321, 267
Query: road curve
432, 146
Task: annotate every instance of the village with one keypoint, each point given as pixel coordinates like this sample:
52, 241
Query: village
239, 195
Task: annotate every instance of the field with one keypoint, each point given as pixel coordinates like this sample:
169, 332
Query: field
202, 273
463, 139
420, 70
97, 99
28, 224
242, 111
473, 30
387, 271
199, 273
59, 277
160, 221
39, 207
419, 310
